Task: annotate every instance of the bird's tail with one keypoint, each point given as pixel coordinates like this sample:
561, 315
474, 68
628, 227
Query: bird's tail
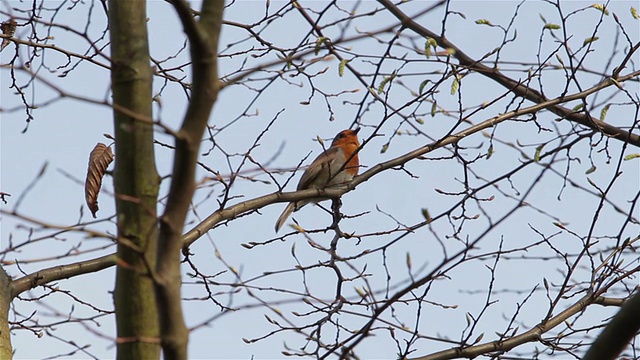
285, 215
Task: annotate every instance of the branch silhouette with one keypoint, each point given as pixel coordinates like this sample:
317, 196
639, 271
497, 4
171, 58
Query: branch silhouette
517, 87
66, 271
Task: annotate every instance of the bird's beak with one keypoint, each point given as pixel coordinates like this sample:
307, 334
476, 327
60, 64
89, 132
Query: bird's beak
356, 130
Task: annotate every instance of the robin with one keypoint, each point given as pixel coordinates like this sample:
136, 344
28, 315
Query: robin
328, 169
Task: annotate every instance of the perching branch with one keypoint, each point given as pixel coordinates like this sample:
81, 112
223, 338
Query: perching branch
257, 203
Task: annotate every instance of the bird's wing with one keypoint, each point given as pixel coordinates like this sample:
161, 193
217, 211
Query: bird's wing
318, 168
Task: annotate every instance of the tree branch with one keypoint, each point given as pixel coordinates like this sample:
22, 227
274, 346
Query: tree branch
257, 203
203, 43
514, 86
618, 333
55, 273
506, 345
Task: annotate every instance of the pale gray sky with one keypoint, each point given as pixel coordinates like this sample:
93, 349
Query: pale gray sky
64, 132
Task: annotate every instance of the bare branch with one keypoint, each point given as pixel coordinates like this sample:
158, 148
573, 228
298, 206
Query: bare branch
517, 87
55, 273
203, 38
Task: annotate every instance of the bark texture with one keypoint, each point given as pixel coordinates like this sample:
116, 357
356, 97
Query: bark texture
6, 351
136, 182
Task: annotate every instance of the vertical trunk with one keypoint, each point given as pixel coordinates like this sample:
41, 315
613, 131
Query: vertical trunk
6, 352
136, 182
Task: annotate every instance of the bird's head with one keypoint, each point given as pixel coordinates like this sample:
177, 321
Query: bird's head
347, 137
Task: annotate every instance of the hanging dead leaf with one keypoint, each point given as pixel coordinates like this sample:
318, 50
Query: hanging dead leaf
8, 28
100, 158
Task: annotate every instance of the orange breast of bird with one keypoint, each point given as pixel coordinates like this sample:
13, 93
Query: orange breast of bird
349, 150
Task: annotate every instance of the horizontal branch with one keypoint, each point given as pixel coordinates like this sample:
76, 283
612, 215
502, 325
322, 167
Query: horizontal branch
532, 335
55, 273
259, 202
68, 53
234, 211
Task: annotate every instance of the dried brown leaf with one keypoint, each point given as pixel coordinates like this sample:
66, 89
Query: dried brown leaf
99, 160
8, 28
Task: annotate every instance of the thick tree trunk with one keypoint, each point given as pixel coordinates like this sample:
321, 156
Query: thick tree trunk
6, 351
136, 182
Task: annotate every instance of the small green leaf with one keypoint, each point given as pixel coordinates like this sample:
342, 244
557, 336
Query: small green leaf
341, 67
384, 148
420, 121
430, 45
631, 156
590, 40
321, 40
634, 13
427, 49
434, 109
601, 8
578, 107
604, 111
432, 42
536, 157
550, 26
422, 85
490, 152
385, 81
591, 170
426, 215
484, 22
455, 85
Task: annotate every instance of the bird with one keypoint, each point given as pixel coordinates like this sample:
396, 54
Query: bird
328, 169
